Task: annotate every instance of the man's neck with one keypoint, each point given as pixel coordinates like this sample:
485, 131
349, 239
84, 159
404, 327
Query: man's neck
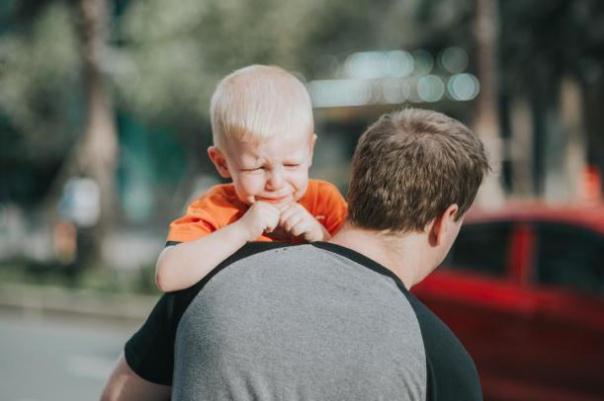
400, 254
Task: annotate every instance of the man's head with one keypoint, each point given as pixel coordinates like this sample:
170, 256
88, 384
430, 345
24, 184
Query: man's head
263, 133
412, 166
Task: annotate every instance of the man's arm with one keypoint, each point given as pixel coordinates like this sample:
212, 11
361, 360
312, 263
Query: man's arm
125, 385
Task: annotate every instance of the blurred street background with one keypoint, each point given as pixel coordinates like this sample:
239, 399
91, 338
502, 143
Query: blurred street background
104, 127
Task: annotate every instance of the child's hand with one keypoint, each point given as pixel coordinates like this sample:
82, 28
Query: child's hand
260, 217
297, 221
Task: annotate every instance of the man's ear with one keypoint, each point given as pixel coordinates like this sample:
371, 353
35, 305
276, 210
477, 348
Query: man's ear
219, 161
442, 226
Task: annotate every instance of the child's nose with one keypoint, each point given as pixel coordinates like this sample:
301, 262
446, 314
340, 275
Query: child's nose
275, 179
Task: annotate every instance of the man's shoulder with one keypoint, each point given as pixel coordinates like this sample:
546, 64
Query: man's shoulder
252, 248
184, 297
249, 249
316, 310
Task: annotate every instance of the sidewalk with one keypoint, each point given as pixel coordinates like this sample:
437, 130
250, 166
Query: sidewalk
43, 300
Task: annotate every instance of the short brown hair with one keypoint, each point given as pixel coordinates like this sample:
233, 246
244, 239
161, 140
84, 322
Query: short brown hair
409, 167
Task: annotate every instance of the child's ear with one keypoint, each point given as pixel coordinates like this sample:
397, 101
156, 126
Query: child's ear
311, 151
219, 161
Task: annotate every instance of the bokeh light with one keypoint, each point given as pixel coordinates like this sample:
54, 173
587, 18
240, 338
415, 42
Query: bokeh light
454, 59
339, 92
424, 62
430, 88
463, 87
395, 91
377, 64
400, 63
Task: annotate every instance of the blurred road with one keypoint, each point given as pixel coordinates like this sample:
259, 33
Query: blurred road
57, 359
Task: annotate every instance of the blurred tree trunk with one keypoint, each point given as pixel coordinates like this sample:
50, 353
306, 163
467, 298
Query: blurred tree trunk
566, 145
521, 148
95, 153
594, 126
486, 123
97, 156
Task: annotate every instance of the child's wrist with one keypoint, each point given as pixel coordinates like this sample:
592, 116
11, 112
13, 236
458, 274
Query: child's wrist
243, 232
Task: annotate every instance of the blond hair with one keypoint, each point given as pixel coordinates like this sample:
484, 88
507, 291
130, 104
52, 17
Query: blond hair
259, 102
409, 167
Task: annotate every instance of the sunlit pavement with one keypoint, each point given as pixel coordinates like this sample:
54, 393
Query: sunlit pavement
46, 358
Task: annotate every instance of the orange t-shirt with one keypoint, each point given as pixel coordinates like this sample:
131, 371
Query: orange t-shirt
220, 206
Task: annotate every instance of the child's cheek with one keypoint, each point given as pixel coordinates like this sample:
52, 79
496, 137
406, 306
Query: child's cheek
301, 183
253, 184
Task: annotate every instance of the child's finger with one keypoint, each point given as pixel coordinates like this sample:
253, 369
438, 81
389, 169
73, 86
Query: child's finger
293, 221
273, 217
282, 207
286, 215
300, 228
272, 224
284, 210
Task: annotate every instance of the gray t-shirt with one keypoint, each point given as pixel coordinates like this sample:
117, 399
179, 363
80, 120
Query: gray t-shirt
307, 322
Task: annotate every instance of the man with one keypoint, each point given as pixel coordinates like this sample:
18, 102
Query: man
329, 320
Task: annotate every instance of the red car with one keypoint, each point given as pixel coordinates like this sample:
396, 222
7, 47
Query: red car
523, 289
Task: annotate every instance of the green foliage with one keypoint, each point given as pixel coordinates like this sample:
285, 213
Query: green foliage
39, 82
544, 40
172, 57
40, 102
98, 279
164, 58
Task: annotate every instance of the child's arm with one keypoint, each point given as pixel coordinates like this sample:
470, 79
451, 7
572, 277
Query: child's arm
183, 265
298, 221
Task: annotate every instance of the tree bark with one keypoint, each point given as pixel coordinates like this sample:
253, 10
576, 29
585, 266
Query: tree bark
566, 159
97, 152
486, 122
522, 148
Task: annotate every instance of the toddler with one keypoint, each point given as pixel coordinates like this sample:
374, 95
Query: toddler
263, 141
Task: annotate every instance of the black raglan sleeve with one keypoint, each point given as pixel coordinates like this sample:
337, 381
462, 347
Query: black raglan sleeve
452, 374
150, 351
